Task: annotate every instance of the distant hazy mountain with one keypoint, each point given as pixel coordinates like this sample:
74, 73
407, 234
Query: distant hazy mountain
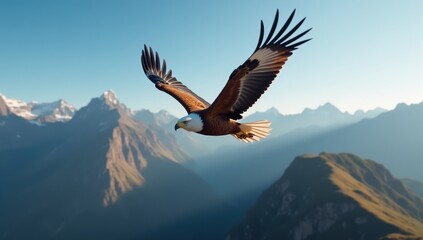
326, 115
58, 111
334, 196
414, 185
392, 138
191, 143
161, 118
321, 119
101, 175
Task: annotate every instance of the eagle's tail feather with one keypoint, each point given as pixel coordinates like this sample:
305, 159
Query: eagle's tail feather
254, 131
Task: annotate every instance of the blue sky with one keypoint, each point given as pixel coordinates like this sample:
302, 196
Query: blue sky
363, 54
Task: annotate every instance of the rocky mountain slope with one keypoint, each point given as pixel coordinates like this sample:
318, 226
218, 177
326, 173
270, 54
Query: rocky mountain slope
393, 138
101, 175
334, 196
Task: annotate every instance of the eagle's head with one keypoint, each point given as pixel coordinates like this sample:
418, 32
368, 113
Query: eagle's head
192, 122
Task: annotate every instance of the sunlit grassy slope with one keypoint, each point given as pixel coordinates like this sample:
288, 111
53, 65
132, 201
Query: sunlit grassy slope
334, 196
375, 190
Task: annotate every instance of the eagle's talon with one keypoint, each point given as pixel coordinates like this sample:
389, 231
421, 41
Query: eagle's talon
243, 135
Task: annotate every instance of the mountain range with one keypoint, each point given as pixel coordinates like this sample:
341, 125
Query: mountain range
326, 115
393, 138
108, 172
100, 175
58, 111
333, 196
322, 118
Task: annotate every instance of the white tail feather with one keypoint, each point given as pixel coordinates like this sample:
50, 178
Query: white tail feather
254, 131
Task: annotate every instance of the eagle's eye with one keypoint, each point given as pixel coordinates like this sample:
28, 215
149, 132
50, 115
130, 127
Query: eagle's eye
185, 122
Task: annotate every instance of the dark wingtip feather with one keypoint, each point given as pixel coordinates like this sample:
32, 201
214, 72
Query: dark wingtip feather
157, 62
261, 35
296, 37
145, 49
147, 57
168, 74
152, 60
284, 27
164, 67
295, 45
291, 31
143, 62
280, 38
272, 30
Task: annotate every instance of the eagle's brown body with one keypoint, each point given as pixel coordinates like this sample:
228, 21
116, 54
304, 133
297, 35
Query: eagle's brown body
218, 125
245, 86
214, 125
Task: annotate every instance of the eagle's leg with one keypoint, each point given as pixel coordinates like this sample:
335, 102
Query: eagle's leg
254, 131
244, 135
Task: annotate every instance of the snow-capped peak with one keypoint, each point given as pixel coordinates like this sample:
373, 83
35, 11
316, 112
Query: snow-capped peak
110, 97
59, 110
19, 108
44, 112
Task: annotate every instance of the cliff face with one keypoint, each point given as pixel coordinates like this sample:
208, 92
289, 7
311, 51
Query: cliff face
3, 107
102, 175
333, 196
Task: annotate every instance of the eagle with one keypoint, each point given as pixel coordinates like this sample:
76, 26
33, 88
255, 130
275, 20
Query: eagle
244, 87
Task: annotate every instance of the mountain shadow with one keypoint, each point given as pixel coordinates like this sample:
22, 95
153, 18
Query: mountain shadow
101, 175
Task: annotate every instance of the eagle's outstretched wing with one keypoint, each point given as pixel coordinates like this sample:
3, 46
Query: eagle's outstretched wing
250, 80
165, 82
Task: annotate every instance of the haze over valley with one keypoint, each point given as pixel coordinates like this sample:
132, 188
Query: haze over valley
106, 171
329, 95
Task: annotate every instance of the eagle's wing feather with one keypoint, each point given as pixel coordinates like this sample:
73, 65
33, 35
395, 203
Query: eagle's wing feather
250, 80
165, 82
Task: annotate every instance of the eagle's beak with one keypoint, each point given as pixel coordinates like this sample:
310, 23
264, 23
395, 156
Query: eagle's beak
177, 126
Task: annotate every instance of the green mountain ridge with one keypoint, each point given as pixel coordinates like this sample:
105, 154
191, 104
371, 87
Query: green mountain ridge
334, 196
393, 138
